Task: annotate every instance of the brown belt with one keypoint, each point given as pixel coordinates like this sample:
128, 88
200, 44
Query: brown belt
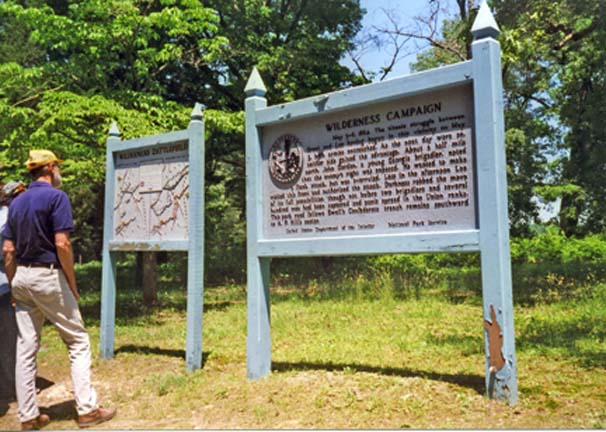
43, 265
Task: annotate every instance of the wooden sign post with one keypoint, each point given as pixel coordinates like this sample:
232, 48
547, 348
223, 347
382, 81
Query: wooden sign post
154, 200
413, 164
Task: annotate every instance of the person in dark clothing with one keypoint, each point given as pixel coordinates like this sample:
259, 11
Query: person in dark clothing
8, 325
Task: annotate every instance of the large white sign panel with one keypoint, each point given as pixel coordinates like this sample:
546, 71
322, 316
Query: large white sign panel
402, 166
152, 193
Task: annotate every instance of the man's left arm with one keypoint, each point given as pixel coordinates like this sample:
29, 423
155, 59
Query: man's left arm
10, 259
65, 254
63, 224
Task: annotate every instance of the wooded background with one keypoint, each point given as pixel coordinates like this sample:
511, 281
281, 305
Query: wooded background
70, 68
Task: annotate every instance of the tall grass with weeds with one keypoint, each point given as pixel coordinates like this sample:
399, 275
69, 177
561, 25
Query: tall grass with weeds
546, 268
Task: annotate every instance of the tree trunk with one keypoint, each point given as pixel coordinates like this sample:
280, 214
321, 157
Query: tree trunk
149, 279
568, 215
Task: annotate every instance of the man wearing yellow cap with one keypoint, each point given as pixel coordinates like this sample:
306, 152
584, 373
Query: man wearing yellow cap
39, 265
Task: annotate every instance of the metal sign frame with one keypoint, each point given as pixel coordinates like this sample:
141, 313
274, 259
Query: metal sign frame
194, 244
491, 238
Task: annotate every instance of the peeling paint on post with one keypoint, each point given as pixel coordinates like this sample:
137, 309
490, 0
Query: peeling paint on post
289, 185
168, 165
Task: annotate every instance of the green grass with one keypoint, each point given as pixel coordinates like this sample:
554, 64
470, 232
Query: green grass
357, 355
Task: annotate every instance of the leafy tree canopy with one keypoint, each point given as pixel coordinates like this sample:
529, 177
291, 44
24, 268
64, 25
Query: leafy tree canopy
69, 68
555, 94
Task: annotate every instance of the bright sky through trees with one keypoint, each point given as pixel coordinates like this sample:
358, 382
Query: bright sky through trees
404, 11
372, 58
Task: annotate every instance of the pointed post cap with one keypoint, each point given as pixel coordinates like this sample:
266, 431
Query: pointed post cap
114, 131
198, 111
255, 86
485, 25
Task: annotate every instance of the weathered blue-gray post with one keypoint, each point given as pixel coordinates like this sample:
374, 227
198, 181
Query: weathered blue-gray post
501, 368
108, 277
195, 261
258, 344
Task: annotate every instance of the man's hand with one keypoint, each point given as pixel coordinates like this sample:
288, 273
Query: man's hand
66, 258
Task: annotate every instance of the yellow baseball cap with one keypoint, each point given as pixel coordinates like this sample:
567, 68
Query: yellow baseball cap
38, 158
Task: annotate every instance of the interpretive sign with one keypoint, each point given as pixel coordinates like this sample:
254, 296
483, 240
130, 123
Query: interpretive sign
154, 191
412, 164
399, 166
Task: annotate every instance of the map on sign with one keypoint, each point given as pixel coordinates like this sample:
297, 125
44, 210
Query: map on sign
152, 193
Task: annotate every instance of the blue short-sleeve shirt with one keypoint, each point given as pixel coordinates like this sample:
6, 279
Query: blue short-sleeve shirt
33, 219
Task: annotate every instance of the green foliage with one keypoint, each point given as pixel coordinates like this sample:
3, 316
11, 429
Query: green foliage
68, 69
455, 37
225, 237
546, 268
81, 65
75, 127
554, 246
555, 99
553, 58
117, 45
525, 169
296, 46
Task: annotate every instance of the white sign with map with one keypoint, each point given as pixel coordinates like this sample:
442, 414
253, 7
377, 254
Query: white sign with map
152, 193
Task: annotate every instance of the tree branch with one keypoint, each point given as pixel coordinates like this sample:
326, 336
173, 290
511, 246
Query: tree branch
235, 163
435, 43
36, 96
295, 22
356, 60
427, 29
75, 140
397, 48
540, 101
576, 36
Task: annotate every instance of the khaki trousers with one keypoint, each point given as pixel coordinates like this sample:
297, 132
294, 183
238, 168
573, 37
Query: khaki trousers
43, 293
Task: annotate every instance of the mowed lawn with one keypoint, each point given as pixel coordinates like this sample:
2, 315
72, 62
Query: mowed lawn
415, 363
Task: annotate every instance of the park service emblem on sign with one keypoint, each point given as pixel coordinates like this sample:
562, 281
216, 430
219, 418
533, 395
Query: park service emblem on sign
286, 161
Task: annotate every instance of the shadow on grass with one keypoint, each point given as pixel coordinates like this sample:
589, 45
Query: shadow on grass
139, 349
41, 384
4, 405
580, 339
65, 410
129, 309
474, 382
147, 350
